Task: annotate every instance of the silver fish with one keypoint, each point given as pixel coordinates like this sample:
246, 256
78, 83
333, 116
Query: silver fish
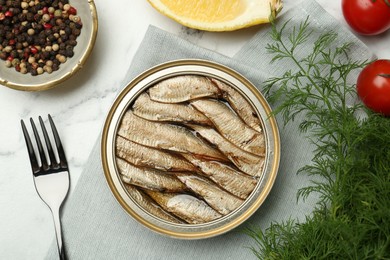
233, 181
156, 111
249, 163
148, 178
231, 126
150, 206
240, 105
186, 207
165, 136
220, 200
144, 156
183, 88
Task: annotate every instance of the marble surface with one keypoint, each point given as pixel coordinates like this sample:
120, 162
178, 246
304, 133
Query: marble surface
79, 107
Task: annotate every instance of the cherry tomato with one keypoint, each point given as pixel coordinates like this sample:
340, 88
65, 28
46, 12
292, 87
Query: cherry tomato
367, 17
373, 86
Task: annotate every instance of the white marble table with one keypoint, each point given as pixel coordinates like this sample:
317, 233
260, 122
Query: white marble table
79, 107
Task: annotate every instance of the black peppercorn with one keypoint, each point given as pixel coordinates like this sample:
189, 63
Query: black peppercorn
51, 38
16, 3
69, 53
68, 30
64, 37
9, 35
48, 32
45, 55
19, 46
30, 17
3, 55
76, 32
72, 42
55, 67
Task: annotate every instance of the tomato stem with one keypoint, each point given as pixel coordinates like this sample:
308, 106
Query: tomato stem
387, 2
384, 75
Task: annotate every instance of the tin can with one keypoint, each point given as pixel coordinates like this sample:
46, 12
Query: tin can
191, 67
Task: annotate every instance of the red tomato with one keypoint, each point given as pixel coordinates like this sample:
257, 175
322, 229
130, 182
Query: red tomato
368, 17
373, 86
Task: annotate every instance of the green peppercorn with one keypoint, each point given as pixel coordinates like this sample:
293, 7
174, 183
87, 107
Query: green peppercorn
15, 62
57, 13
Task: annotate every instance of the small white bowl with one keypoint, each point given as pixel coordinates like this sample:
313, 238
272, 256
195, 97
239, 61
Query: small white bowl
9, 77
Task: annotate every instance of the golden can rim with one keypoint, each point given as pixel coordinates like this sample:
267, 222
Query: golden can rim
82, 60
191, 231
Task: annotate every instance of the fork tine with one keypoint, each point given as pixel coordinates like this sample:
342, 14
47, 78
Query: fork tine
39, 145
33, 159
60, 149
53, 161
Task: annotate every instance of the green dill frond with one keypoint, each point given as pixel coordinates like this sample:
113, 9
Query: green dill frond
350, 168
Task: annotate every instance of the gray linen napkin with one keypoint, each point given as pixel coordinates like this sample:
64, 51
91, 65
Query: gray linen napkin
96, 227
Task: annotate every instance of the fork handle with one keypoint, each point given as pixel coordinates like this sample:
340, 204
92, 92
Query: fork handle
57, 225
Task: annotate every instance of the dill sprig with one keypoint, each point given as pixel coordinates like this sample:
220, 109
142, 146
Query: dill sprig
350, 167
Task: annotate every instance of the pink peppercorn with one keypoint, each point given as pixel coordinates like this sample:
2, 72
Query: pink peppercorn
8, 14
34, 50
72, 10
47, 26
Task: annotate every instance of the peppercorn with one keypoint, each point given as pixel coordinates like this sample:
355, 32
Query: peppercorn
55, 67
46, 55
51, 38
57, 13
23, 70
3, 55
9, 35
72, 42
72, 37
55, 47
24, 5
68, 30
15, 62
30, 17
30, 29
46, 17
64, 37
69, 53
14, 53
47, 69
39, 70
19, 46
76, 32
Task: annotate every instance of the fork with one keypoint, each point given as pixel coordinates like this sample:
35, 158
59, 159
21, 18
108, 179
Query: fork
51, 178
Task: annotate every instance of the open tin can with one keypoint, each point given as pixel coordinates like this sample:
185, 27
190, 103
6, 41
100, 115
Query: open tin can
125, 100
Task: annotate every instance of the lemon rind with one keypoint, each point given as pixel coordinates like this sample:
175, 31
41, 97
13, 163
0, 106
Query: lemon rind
240, 22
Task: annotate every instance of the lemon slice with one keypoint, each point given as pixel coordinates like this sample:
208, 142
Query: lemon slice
219, 15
